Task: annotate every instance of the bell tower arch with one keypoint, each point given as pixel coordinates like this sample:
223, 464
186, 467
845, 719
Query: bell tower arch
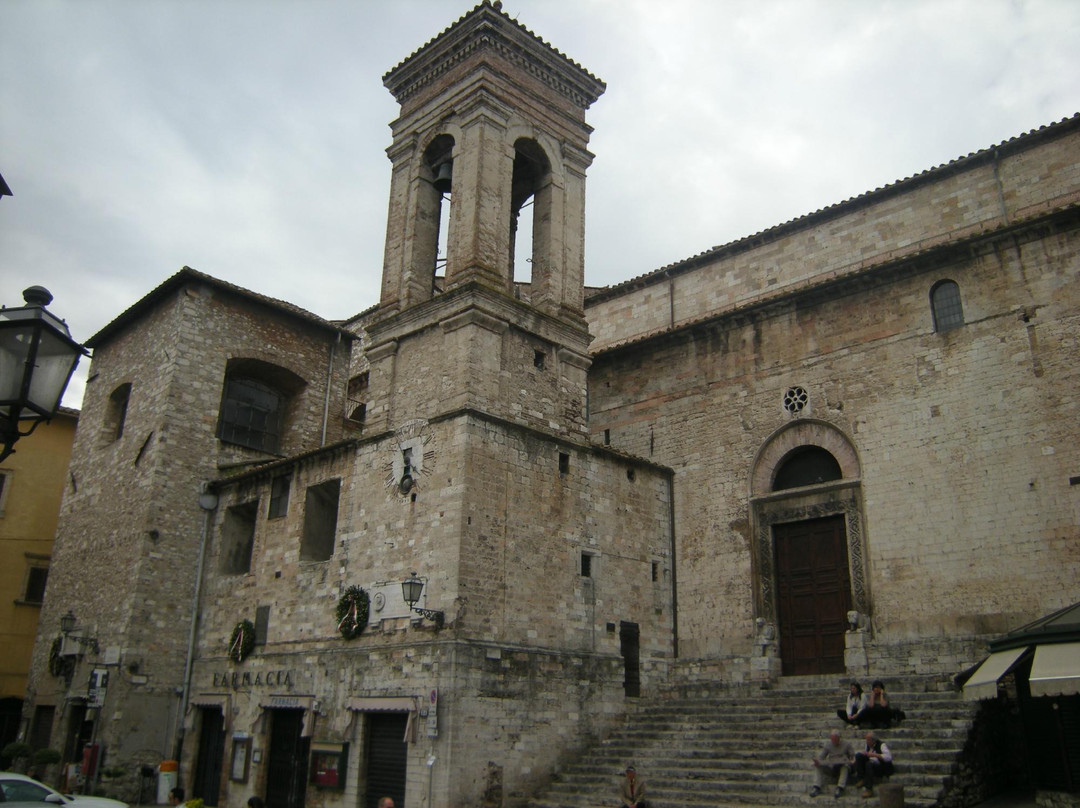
492, 121
492, 117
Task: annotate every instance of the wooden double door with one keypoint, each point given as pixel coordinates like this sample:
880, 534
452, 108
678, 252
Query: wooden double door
813, 594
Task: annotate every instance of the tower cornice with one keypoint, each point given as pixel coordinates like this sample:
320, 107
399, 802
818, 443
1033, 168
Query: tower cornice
487, 31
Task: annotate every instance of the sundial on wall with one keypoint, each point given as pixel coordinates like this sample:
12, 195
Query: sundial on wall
412, 456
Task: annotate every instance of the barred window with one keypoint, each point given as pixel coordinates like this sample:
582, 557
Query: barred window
946, 305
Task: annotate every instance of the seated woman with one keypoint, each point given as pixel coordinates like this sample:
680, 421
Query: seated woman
878, 713
856, 703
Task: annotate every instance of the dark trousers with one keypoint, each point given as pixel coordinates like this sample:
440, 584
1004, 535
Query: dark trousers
869, 769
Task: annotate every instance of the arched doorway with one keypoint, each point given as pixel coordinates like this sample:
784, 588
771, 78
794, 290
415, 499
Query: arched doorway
809, 559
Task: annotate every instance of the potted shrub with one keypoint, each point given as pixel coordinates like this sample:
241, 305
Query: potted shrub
16, 754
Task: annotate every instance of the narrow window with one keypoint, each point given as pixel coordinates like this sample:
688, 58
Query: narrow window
279, 496
238, 538
37, 574
262, 624
607, 437
356, 410
538, 360
655, 571
564, 463
116, 412
586, 565
946, 305
320, 521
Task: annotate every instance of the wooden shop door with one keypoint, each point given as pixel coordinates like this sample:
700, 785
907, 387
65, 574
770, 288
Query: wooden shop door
286, 772
813, 594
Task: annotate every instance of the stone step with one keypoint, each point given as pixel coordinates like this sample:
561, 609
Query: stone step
707, 746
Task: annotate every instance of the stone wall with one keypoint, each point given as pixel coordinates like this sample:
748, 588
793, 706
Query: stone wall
130, 525
529, 663
965, 440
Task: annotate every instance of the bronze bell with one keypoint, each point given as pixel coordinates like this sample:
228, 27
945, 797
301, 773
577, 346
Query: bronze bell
444, 175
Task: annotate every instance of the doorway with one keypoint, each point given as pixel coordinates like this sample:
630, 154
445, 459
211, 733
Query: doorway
210, 753
813, 595
286, 778
386, 758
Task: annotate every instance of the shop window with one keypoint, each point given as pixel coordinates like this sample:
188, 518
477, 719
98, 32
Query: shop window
320, 521
947, 307
238, 538
279, 496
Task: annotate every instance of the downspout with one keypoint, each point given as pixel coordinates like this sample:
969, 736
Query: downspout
674, 577
326, 398
208, 502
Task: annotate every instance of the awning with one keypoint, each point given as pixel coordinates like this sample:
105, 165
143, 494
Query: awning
1056, 670
395, 704
983, 683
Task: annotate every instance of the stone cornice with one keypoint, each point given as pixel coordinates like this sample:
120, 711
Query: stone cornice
487, 29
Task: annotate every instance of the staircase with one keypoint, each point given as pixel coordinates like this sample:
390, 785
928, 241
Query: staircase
707, 746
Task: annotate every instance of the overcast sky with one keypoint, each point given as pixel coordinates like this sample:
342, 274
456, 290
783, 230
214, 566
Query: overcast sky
246, 138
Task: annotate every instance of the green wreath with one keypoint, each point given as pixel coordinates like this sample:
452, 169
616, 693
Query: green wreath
352, 612
241, 641
59, 665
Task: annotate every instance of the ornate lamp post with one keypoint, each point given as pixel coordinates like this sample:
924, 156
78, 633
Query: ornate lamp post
37, 358
411, 589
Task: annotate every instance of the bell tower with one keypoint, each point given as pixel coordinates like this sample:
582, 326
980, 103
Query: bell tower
492, 121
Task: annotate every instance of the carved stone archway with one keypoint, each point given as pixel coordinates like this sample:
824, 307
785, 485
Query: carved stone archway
768, 508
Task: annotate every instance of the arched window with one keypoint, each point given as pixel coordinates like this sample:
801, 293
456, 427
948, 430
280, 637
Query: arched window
807, 465
946, 305
254, 404
116, 412
530, 216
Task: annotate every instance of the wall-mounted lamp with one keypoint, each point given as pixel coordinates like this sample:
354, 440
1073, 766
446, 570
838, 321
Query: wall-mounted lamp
411, 589
67, 625
37, 358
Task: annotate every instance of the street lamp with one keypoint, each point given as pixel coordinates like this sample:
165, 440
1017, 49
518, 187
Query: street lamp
67, 625
37, 358
411, 589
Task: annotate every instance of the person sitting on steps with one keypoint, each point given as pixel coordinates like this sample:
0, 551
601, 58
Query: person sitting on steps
856, 703
832, 764
873, 763
632, 790
878, 713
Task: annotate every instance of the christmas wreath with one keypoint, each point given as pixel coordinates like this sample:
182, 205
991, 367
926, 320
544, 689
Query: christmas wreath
59, 665
352, 612
242, 641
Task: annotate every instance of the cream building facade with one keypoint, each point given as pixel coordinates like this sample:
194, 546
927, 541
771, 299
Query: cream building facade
846, 445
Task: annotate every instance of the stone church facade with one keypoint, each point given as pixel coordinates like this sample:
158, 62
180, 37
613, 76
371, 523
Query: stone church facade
844, 446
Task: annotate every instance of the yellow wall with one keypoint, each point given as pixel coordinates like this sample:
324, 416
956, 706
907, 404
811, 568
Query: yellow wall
29, 506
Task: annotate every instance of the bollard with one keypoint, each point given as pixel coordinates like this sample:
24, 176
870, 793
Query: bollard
891, 796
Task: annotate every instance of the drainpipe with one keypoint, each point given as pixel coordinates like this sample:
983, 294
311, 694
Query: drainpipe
674, 575
208, 501
326, 398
